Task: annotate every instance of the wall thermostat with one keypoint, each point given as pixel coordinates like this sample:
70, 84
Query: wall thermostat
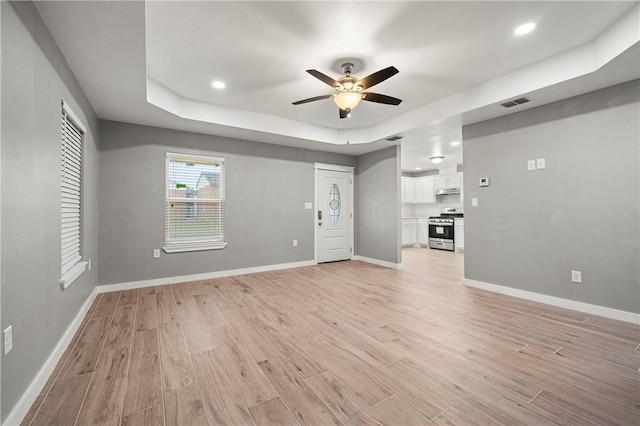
484, 181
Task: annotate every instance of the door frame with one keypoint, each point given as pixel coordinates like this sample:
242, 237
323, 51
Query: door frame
333, 168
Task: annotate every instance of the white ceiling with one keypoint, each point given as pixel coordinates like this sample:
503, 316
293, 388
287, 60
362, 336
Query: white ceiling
153, 63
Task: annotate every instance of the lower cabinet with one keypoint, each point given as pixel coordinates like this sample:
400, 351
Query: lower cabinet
458, 234
423, 232
409, 232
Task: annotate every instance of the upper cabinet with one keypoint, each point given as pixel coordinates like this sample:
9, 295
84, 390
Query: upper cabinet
446, 182
408, 190
418, 190
422, 190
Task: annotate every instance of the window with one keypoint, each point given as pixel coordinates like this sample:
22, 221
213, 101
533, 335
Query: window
73, 131
194, 205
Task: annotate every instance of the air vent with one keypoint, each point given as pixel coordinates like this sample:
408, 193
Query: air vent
515, 102
394, 138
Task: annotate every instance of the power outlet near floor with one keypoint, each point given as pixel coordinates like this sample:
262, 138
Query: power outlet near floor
7, 337
576, 277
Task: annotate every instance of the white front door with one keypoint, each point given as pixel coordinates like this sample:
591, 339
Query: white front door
334, 214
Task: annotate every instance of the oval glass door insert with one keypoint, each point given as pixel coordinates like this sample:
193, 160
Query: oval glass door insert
334, 204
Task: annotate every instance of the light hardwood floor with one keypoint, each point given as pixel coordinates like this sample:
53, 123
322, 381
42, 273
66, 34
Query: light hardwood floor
342, 343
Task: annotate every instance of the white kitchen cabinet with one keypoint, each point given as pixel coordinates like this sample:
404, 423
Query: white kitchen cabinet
407, 190
409, 232
446, 182
458, 234
454, 181
424, 190
423, 231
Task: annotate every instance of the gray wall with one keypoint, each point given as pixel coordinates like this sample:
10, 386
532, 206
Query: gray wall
580, 213
377, 205
35, 78
266, 188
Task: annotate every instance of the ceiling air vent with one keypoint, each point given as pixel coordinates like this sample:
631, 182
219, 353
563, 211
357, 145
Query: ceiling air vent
394, 138
515, 102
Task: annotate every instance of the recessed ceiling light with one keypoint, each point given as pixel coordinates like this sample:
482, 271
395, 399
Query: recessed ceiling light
455, 143
418, 168
524, 28
218, 84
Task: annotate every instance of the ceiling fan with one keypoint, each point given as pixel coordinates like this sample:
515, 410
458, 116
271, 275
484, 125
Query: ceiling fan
350, 89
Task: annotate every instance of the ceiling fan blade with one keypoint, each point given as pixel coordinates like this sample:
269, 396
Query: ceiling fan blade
377, 77
317, 98
381, 99
324, 78
344, 113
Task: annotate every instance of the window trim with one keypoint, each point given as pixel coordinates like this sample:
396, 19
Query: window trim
73, 273
190, 246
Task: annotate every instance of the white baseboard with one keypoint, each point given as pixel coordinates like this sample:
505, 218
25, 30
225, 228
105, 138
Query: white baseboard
34, 389
196, 277
378, 262
557, 301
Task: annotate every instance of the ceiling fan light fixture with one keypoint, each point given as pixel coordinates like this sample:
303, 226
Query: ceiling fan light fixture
436, 159
347, 100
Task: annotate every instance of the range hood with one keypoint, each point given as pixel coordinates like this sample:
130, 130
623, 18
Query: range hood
447, 191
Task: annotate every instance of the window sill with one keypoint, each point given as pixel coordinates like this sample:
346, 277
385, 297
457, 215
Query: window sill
72, 274
218, 246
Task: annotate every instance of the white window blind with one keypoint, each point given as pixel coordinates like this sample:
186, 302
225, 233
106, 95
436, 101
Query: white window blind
194, 206
71, 198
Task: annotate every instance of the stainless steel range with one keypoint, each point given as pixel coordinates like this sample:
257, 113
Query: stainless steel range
441, 235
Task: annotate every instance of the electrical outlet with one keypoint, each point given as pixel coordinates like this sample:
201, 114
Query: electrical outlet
156, 253
7, 335
576, 276
540, 163
531, 165
295, 243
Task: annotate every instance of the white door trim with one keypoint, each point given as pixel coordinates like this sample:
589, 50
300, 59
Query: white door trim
336, 168
333, 167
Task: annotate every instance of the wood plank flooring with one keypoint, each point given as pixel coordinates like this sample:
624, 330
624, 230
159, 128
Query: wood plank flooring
342, 343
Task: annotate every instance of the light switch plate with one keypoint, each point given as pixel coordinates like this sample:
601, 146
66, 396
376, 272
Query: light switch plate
474, 202
576, 277
531, 165
7, 336
156, 253
540, 163
308, 206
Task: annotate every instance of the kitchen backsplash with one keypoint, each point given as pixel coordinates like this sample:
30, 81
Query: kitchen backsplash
426, 210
